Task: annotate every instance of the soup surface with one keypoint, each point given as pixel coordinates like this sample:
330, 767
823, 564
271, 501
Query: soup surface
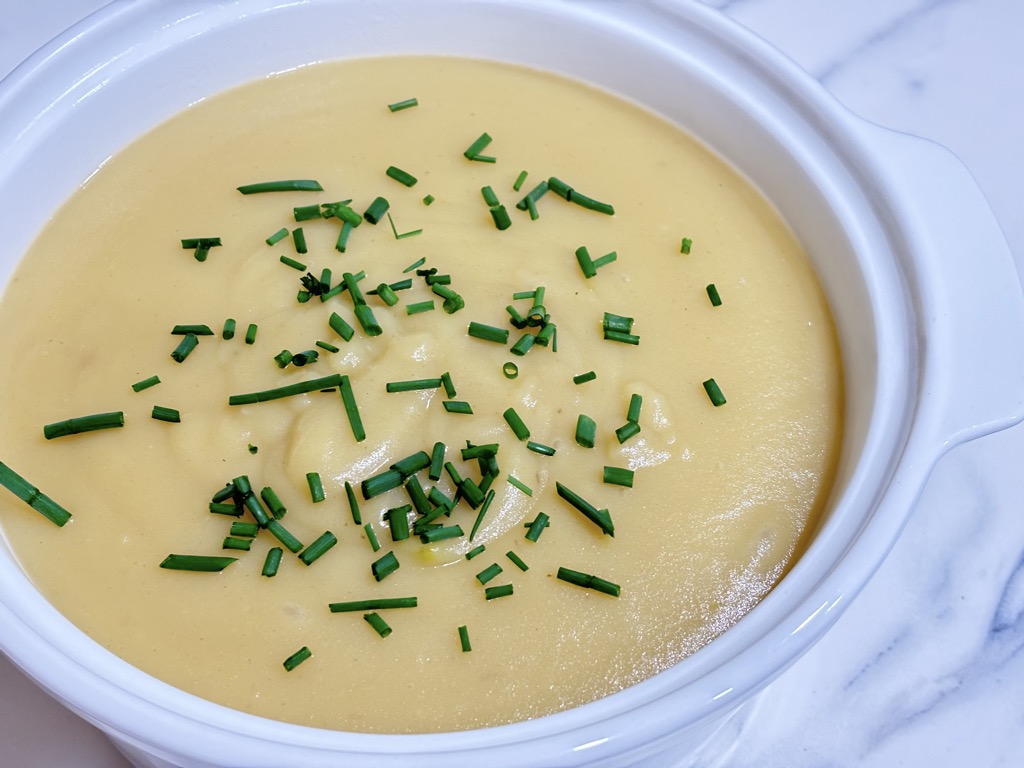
685, 510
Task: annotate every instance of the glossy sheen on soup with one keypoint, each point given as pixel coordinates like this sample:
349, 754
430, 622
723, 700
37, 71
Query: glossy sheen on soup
686, 511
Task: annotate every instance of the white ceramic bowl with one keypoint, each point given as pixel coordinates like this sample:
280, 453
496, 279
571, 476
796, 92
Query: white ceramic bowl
884, 216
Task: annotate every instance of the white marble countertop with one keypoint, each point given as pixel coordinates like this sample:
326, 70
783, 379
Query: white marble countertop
926, 668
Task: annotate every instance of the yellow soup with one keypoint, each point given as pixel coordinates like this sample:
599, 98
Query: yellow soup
682, 515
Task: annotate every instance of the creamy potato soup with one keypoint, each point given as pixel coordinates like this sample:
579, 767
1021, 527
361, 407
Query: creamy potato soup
517, 397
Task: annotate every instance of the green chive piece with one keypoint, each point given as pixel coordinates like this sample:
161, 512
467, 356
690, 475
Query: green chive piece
197, 328
520, 485
340, 327
586, 263
635, 403
488, 332
489, 196
250, 334
289, 261
299, 240
32, 496
474, 149
282, 358
375, 212
716, 300
364, 315
278, 236
517, 320
353, 504
387, 294
428, 200
457, 406
477, 550
500, 217
298, 388
348, 399
373, 604
618, 476
625, 338
342, 211
229, 329
418, 307
448, 384
328, 346
316, 487
419, 499
536, 527
502, 590
341, 244
608, 258
152, 381
464, 639
244, 529
233, 542
510, 370
200, 246
320, 545
583, 378
563, 190
588, 581
398, 106
599, 517
307, 212
287, 185
384, 566
244, 489
488, 573
402, 177
379, 625
613, 322
226, 509
398, 521
270, 498
202, 563
253, 449
80, 424
225, 493
161, 413
381, 483
453, 302
518, 561
626, 431
516, 424
523, 344
685, 245
415, 265
543, 450
272, 562
714, 393
372, 536
529, 202
520, 180
410, 465
188, 342
412, 384
586, 430
440, 534
436, 461
297, 658
483, 511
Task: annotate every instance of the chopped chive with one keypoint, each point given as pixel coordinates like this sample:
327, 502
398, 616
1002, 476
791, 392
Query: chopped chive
599, 517
523, 344
289, 261
412, 384
625, 338
373, 604
299, 239
225, 493
586, 430
364, 315
428, 200
229, 329
278, 236
502, 590
379, 625
398, 106
618, 476
381, 483
298, 388
233, 510
489, 573
161, 413
327, 346
287, 185
448, 384
321, 544
474, 149
203, 563
477, 550
376, 210
316, 487
384, 566
283, 358
253, 449
588, 581
563, 190
81, 424
536, 527
544, 450
32, 496
410, 465
608, 258
529, 202
489, 196
250, 333
500, 217
197, 329
440, 534
403, 235
516, 424
353, 504
297, 658
306, 357
152, 381
488, 332
714, 393
340, 327
416, 264
402, 177
488, 499
244, 529
372, 536
436, 461
307, 212
517, 320
586, 263
716, 300
188, 342
348, 400
582, 378
398, 521
270, 498
387, 294
613, 322
341, 244
685, 245
342, 211
635, 404
518, 561
250, 500
520, 179
419, 306
464, 639
233, 542
626, 431
510, 370
272, 562
200, 246
520, 485
457, 406
418, 496
453, 302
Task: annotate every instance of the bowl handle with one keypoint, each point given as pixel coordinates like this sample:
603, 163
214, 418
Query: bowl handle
972, 304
